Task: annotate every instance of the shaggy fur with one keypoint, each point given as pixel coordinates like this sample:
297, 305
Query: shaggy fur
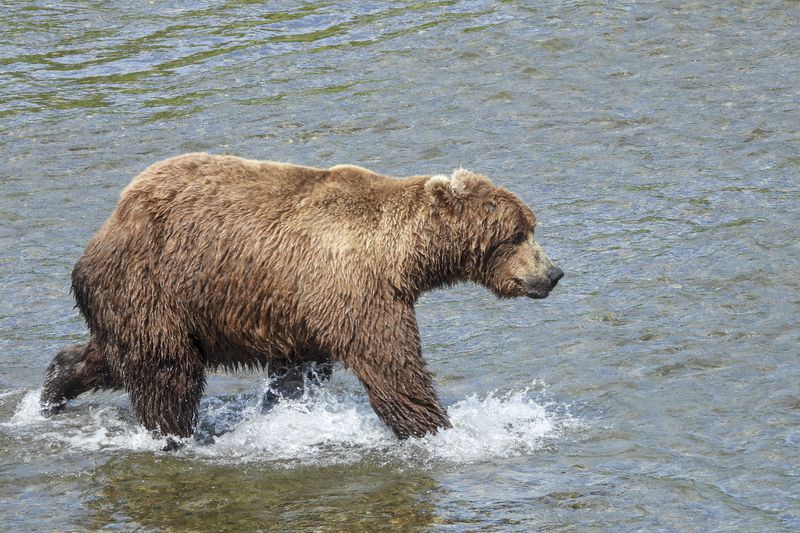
221, 262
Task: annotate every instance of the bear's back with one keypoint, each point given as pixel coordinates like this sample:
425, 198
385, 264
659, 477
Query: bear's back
227, 189
197, 182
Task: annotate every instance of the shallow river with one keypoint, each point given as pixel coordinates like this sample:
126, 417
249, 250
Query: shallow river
658, 388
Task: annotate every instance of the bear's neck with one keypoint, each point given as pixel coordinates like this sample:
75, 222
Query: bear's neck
437, 258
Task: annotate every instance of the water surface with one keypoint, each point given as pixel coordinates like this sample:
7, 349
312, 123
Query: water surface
658, 143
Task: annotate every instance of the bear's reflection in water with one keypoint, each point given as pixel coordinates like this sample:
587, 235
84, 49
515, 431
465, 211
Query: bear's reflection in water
168, 492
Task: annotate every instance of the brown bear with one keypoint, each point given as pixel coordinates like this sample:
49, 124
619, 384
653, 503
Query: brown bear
221, 262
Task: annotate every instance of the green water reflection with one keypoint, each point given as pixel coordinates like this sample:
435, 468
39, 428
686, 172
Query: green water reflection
167, 492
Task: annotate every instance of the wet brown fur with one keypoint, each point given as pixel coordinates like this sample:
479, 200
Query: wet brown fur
222, 262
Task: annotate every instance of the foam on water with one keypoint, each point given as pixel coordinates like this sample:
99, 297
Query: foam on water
28, 410
495, 426
321, 428
84, 428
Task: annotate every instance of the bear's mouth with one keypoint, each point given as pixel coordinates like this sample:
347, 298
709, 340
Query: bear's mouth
537, 295
534, 291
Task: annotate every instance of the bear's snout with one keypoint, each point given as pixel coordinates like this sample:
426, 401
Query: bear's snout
554, 274
539, 286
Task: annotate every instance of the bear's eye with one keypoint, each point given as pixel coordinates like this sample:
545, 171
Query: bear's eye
518, 238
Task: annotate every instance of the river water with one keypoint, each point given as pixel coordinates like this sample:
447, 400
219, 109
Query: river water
658, 388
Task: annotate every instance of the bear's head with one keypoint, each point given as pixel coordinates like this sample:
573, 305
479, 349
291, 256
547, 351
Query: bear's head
493, 231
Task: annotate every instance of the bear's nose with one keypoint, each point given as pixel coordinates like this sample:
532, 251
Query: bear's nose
554, 274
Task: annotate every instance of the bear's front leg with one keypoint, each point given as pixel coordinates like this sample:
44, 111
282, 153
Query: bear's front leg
386, 357
408, 414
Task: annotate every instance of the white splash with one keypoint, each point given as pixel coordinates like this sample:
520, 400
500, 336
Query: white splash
86, 428
496, 426
321, 428
28, 410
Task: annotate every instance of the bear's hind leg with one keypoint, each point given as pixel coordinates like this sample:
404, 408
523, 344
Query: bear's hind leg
165, 390
74, 370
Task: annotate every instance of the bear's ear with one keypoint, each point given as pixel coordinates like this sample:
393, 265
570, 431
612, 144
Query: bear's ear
465, 182
459, 184
438, 187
